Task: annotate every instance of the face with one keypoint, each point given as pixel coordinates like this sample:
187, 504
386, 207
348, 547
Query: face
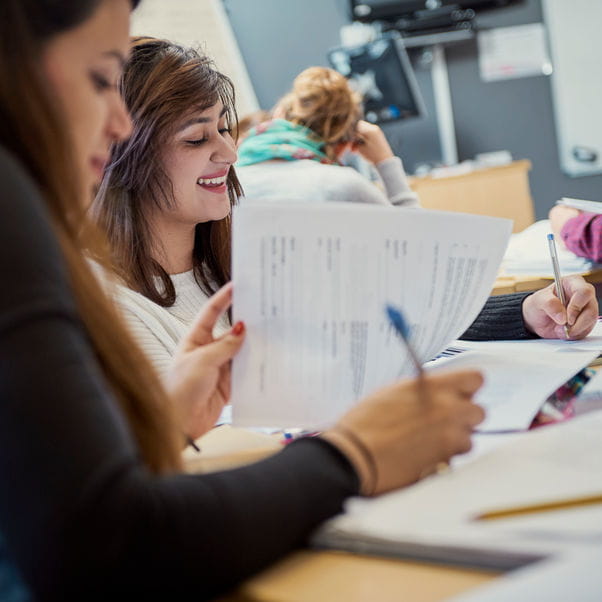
197, 161
83, 66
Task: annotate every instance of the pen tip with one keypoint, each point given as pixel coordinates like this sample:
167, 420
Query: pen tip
550, 237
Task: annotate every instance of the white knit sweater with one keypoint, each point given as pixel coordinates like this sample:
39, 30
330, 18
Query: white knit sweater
158, 329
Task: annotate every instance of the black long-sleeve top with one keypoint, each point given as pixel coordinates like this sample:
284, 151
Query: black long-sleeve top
80, 515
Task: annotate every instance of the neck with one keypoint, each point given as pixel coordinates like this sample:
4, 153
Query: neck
175, 244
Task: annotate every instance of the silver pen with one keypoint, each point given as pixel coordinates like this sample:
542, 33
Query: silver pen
557, 277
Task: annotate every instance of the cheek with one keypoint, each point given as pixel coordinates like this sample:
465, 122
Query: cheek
83, 109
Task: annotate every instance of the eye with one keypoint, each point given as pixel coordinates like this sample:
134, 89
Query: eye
223, 131
101, 83
196, 142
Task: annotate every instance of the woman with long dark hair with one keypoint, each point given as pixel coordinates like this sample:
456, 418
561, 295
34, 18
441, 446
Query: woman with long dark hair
168, 191
93, 503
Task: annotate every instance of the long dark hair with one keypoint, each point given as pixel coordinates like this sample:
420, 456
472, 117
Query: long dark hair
161, 84
33, 128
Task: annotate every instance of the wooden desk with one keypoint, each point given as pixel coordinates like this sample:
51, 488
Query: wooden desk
497, 191
519, 284
312, 575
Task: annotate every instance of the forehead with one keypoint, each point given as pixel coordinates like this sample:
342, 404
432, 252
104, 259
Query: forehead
200, 115
105, 34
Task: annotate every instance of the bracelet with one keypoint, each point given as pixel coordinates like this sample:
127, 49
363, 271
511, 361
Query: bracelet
366, 454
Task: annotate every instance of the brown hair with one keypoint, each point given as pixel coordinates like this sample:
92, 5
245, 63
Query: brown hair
33, 128
161, 85
323, 101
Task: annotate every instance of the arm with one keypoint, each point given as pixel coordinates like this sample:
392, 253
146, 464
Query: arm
396, 183
538, 314
582, 235
500, 318
373, 146
79, 512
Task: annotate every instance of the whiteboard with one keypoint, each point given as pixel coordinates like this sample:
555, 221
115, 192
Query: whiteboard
575, 34
203, 24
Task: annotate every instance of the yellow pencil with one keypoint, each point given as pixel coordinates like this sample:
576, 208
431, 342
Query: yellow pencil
542, 507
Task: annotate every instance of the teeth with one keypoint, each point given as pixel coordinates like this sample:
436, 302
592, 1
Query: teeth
212, 181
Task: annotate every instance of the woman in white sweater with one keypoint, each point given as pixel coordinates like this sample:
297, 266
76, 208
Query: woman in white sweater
296, 155
167, 193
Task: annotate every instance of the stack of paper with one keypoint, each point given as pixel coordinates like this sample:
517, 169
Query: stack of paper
311, 283
528, 254
436, 518
581, 204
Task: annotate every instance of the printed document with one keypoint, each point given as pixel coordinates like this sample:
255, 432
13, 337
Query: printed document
311, 283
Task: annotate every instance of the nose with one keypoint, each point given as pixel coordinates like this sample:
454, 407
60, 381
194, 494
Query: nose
225, 151
119, 126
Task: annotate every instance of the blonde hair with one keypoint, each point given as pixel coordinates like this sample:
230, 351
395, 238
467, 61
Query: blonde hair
322, 100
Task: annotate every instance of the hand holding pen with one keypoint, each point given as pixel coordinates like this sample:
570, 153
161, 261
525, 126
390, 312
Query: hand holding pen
545, 315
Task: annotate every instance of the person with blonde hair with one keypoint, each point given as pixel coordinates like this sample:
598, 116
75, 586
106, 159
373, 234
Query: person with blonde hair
297, 154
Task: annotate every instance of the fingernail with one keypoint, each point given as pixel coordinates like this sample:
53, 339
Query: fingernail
238, 328
560, 318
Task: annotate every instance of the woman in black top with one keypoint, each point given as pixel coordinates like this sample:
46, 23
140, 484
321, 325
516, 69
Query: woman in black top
92, 502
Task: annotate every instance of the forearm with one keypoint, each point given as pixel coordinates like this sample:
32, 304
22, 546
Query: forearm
83, 509
501, 318
583, 236
396, 183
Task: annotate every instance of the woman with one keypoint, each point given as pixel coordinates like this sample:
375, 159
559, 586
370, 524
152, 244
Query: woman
93, 502
297, 155
167, 193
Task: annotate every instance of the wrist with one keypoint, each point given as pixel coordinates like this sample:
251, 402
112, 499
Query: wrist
358, 456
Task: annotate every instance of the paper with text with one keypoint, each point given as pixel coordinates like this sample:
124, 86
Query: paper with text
517, 380
311, 284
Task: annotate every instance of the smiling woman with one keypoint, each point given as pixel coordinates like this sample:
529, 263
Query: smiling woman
166, 197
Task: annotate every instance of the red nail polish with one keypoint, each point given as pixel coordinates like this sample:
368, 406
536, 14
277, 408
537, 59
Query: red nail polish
238, 328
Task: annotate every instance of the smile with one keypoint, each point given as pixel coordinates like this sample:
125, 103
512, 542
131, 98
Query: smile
212, 181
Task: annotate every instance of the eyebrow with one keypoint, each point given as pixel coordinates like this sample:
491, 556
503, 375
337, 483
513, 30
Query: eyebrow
116, 55
196, 120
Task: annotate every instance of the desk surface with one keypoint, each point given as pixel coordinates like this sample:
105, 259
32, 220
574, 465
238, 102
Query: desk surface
311, 575
517, 284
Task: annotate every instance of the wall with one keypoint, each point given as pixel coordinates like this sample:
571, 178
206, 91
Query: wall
279, 38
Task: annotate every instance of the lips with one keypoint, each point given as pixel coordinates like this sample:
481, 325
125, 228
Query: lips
214, 182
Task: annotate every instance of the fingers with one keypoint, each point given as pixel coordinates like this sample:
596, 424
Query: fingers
582, 307
202, 328
464, 382
550, 304
221, 351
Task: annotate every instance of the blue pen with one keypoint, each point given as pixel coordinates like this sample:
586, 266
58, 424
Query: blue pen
401, 328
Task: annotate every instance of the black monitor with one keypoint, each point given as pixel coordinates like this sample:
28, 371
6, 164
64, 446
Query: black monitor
382, 73
384, 10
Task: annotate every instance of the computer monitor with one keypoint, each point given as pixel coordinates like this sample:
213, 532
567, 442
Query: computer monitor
375, 10
382, 73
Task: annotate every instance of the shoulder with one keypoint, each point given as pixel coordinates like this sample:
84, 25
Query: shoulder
30, 255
